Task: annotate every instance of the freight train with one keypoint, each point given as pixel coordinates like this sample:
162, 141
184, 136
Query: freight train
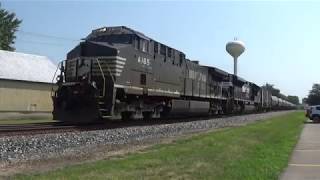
117, 72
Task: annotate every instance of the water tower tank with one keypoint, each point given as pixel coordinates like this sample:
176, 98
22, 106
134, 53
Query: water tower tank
235, 49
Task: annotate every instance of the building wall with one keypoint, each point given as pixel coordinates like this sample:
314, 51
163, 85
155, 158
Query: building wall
25, 96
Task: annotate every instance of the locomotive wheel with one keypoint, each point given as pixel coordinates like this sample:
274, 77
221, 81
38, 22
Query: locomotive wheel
127, 115
165, 112
64, 105
147, 115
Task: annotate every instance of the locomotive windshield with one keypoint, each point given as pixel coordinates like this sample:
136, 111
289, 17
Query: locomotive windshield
119, 35
113, 38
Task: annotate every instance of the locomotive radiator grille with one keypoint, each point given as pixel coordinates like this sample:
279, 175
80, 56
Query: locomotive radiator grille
112, 65
71, 68
109, 65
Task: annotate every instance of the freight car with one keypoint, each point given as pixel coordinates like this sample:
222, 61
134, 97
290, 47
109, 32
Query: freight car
117, 72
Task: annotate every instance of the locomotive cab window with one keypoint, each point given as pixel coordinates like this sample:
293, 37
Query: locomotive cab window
138, 43
156, 48
143, 45
181, 58
143, 79
163, 50
169, 52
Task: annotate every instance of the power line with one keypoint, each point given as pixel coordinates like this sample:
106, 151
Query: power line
48, 36
39, 42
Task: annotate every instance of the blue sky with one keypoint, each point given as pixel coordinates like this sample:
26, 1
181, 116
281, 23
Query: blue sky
282, 38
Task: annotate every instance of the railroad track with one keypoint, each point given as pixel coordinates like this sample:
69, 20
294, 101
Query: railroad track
58, 127
35, 128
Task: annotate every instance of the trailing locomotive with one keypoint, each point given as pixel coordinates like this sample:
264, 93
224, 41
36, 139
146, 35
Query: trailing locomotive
118, 72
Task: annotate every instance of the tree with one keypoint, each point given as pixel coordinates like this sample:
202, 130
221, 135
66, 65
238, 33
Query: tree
293, 99
282, 96
9, 25
274, 91
314, 95
304, 100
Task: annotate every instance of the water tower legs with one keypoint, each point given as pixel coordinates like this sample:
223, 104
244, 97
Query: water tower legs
235, 66
235, 49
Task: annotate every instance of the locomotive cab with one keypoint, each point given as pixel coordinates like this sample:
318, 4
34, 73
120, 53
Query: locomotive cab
86, 88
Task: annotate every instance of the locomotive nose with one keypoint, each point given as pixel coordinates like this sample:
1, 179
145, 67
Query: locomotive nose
93, 48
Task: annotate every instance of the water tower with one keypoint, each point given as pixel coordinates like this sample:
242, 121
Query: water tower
235, 48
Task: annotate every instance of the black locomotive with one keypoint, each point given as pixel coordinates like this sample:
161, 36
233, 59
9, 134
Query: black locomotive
118, 72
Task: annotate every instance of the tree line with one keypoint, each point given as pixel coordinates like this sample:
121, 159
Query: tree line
9, 25
276, 92
313, 97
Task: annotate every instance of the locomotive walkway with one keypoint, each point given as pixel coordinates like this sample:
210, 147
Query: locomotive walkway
305, 160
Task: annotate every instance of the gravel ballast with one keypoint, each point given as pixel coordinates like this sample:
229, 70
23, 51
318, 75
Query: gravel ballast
16, 149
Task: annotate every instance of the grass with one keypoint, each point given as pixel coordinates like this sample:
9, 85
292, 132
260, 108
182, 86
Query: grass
256, 151
14, 118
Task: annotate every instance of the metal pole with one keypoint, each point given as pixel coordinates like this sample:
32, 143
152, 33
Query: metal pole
235, 66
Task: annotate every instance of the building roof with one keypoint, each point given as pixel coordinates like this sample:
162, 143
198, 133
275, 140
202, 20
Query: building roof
26, 67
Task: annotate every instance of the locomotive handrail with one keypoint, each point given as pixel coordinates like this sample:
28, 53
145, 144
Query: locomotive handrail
103, 77
110, 74
54, 75
108, 68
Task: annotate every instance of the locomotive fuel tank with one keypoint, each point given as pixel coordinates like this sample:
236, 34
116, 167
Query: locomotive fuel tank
194, 107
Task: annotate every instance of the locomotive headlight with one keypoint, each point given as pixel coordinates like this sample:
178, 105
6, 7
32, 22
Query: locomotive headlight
118, 51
